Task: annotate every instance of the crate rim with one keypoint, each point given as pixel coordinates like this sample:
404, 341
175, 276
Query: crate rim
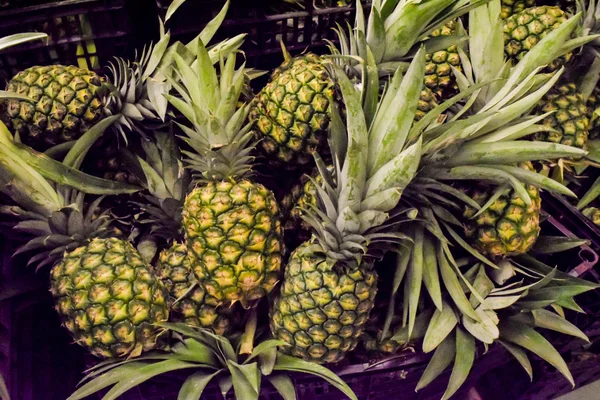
106, 4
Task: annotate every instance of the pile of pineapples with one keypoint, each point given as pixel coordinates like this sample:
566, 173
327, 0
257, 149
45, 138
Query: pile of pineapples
380, 199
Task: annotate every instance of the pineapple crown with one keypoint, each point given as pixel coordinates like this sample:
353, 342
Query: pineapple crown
396, 29
49, 196
375, 158
167, 181
219, 137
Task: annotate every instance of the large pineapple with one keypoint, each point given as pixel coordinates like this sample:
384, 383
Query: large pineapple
291, 113
188, 298
524, 30
109, 298
508, 226
231, 223
569, 121
329, 284
438, 73
511, 7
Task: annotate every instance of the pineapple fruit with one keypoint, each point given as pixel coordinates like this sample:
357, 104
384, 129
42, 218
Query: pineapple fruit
330, 283
511, 7
569, 122
67, 102
593, 214
438, 73
524, 30
291, 112
592, 104
508, 226
109, 298
188, 298
232, 224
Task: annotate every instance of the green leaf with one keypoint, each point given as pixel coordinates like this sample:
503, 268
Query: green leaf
465, 355
172, 8
431, 278
414, 277
3, 390
246, 380
289, 363
443, 356
520, 355
591, 195
284, 385
528, 338
570, 304
556, 244
482, 285
486, 330
194, 385
453, 286
441, 325
19, 38
549, 320
267, 360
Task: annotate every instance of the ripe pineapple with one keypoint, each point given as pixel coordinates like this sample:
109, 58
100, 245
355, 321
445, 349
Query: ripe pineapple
524, 30
109, 298
291, 113
511, 7
329, 284
438, 72
188, 298
570, 120
68, 101
508, 226
232, 224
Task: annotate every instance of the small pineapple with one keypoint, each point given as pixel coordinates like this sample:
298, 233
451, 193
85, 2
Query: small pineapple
569, 122
508, 226
292, 112
438, 71
188, 298
593, 214
232, 224
524, 30
511, 7
427, 102
109, 298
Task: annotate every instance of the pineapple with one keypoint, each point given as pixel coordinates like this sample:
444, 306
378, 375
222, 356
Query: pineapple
67, 102
593, 214
330, 283
189, 300
291, 113
232, 224
511, 7
438, 73
592, 104
508, 226
524, 30
569, 122
109, 298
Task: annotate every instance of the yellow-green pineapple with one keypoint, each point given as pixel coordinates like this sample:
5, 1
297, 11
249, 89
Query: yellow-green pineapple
593, 214
231, 223
508, 226
511, 7
291, 113
188, 298
329, 284
109, 298
525, 29
438, 72
569, 122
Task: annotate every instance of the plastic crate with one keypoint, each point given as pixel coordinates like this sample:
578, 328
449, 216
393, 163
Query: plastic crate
87, 33
299, 30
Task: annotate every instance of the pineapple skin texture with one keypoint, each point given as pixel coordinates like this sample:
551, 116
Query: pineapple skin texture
511, 7
109, 298
524, 30
175, 268
321, 310
439, 77
234, 230
508, 227
67, 102
292, 113
570, 119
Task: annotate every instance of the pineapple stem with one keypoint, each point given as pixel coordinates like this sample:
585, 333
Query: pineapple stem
247, 344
